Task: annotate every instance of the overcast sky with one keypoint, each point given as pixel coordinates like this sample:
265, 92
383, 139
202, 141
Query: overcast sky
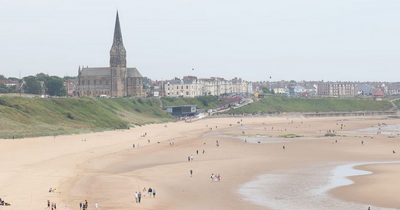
335, 40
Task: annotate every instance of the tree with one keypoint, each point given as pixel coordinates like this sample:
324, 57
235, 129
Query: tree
55, 86
32, 85
2, 77
266, 90
42, 77
69, 78
13, 79
3, 88
146, 83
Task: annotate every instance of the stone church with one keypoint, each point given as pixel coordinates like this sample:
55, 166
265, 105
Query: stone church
114, 81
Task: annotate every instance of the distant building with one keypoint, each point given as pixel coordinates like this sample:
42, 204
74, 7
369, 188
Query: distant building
191, 86
114, 81
182, 111
281, 90
365, 89
336, 89
182, 88
378, 93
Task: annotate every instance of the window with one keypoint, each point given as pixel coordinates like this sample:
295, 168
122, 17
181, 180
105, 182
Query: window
94, 82
187, 87
187, 93
182, 87
106, 82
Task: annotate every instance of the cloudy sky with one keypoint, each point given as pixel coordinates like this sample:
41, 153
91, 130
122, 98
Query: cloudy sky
345, 40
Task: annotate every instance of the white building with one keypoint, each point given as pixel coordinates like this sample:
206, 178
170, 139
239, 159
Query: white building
190, 86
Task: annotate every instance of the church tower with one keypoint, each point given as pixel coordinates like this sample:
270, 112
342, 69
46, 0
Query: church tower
118, 64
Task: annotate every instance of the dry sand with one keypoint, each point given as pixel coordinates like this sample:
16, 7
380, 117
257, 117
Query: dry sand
107, 170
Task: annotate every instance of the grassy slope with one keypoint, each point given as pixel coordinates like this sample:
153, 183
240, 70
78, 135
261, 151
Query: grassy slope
203, 102
24, 117
284, 104
397, 103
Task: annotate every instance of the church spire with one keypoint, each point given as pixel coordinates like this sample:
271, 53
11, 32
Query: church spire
117, 33
117, 52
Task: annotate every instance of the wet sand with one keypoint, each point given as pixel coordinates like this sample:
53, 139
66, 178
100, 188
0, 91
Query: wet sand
107, 170
380, 188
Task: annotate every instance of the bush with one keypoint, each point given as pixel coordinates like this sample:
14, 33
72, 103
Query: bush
69, 115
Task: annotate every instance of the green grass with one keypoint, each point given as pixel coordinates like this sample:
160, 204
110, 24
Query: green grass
203, 102
397, 103
285, 104
291, 136
30, 117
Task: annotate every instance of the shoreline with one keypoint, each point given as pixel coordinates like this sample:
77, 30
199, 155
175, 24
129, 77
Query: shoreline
384, 195
334, 176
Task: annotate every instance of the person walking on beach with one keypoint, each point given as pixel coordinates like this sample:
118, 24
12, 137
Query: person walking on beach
80, 205
362, 142
197, 152
284, 147
140, 196
48, 204
96, 206
204, 151
188, 158
191, 157
191, 172
219, 178
144, 192
150, 191
136, 197
154, 193
212, 177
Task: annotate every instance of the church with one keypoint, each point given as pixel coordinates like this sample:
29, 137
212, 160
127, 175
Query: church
114, 81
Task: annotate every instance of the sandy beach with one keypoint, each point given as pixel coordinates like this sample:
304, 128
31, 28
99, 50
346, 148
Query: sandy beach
105, 168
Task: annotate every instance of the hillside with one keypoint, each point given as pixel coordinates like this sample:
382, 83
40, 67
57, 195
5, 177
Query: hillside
203, 102
29, 117
286, 104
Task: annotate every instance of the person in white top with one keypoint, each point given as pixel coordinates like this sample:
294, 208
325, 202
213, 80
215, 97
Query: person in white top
96, 205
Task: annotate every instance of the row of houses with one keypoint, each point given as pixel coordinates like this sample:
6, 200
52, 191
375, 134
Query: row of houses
331, 89
191, 86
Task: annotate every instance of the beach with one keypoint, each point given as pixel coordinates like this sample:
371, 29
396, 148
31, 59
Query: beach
106, 168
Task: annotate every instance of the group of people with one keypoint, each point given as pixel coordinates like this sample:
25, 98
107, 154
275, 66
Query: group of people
150, 191
85, 205
215, 177
53, 190
190, 158
3, 203
197, 151
52, 206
